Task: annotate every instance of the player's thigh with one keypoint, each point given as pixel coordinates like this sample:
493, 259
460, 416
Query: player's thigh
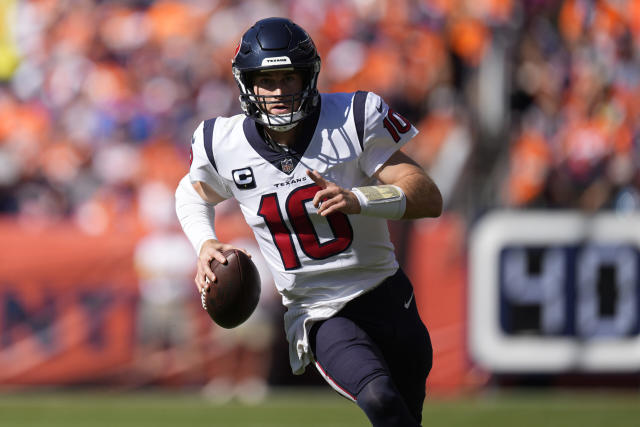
410, 336
410, 354
389, 315
411, 363
345, 355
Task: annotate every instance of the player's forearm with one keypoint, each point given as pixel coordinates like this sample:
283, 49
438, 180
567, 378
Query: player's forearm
422, 194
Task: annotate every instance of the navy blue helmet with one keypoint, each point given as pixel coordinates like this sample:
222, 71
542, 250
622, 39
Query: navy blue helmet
272, 44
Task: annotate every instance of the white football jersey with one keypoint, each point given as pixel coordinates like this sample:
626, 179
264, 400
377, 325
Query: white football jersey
318, 263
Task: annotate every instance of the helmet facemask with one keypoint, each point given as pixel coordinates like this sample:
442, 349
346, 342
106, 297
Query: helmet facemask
256, 106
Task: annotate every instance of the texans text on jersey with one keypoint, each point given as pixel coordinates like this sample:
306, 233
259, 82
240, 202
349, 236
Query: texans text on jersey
290, 182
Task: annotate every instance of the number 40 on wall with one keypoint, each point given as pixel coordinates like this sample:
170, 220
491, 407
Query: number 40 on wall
555, 292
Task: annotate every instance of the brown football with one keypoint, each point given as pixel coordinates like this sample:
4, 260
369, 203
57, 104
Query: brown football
235, 293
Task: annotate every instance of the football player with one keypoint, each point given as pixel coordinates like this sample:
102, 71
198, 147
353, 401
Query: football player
316, 177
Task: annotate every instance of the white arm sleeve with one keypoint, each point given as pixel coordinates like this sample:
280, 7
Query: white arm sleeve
196, 216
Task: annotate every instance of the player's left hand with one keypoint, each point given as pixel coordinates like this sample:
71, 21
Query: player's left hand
332, 198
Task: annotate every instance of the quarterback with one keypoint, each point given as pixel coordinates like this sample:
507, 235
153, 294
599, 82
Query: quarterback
317, 176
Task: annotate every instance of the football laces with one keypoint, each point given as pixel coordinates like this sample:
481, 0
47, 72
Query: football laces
203, 298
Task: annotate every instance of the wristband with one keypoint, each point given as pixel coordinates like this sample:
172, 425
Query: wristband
196, 216
382, 201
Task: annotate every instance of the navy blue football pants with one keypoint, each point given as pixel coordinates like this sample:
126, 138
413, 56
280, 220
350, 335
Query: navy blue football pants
377, 336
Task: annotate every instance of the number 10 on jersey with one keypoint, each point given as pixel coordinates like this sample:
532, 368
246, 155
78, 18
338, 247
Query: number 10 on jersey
302, 227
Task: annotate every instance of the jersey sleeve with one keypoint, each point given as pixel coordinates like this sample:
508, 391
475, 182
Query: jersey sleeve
202, 163
384, 132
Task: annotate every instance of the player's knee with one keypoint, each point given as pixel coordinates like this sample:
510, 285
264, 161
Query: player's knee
377, 396
383, 404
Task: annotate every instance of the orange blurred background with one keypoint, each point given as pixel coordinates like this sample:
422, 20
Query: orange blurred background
530, 104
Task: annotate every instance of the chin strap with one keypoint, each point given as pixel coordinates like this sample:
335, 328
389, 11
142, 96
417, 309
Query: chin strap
267, 121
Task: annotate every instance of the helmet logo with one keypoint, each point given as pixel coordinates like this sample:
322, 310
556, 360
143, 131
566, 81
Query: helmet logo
237, 49
277, 60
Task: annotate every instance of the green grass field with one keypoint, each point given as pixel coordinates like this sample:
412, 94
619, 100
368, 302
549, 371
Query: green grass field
304, 408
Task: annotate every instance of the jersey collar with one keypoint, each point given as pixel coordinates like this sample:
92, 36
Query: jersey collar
284, 161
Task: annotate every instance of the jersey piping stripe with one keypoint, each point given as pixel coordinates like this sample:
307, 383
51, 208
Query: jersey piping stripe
359, 100
208, 140
334, 385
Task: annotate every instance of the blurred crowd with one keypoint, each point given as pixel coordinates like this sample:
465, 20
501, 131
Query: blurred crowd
574, 130
99, 99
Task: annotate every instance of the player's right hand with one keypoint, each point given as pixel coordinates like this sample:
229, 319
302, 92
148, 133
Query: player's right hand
211, 249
